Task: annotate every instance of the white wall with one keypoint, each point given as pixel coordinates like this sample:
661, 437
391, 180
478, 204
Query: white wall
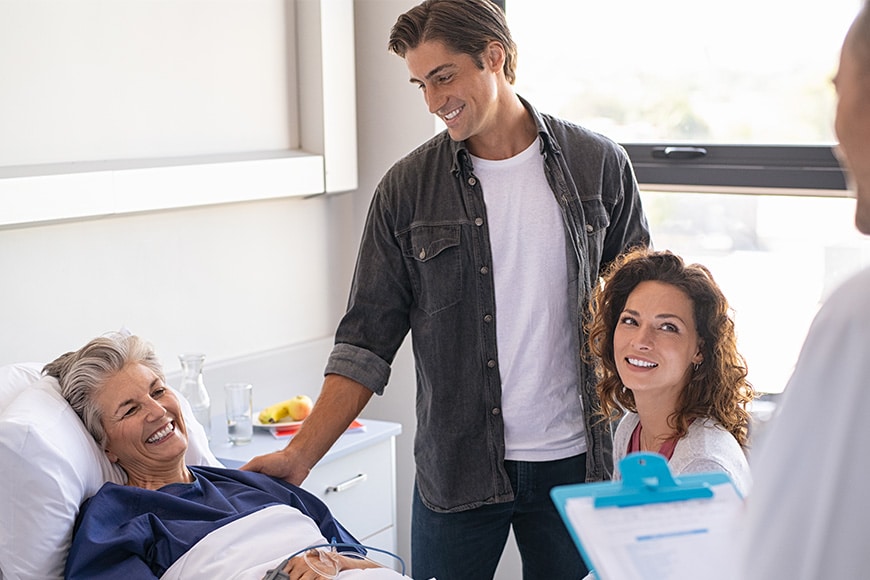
136, 79
225, 280
94, 80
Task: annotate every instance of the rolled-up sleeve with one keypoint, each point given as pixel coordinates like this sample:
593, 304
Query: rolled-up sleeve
359, 364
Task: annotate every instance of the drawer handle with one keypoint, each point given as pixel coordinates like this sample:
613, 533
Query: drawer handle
348, 484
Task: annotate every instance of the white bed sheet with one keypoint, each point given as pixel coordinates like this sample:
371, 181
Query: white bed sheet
247, 548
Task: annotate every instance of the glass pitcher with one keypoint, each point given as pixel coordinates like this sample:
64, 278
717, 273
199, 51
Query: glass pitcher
193, 388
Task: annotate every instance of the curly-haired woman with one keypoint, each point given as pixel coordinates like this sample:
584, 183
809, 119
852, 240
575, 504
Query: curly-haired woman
668, 365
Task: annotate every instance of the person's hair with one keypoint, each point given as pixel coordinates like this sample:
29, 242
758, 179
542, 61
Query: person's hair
718, 388
83, 372
464, 26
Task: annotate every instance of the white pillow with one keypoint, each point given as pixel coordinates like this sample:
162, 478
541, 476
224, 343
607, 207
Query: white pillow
51, 464
15, 378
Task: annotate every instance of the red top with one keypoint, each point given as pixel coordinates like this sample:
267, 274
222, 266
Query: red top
667, 448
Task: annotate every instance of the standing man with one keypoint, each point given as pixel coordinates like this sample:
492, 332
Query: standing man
485, 243
808, 514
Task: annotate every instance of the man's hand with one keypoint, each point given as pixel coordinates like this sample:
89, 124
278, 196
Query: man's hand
339, 403
281, 464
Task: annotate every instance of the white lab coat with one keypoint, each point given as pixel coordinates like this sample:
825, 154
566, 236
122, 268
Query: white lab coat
808, 515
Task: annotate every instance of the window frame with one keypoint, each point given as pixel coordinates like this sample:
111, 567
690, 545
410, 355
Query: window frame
794, 169
799, 169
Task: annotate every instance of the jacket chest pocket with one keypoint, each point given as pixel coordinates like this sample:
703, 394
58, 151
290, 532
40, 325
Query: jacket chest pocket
595, 229
434, 261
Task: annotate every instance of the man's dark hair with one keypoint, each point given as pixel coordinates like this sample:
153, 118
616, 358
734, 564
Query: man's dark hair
465, 26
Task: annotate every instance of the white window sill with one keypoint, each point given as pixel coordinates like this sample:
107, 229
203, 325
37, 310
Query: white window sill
45, 193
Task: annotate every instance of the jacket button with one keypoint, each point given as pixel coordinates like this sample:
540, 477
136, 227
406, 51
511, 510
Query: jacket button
490, 363
484, 270
478, 221
496, 411
589, 228
487, 318
472, 181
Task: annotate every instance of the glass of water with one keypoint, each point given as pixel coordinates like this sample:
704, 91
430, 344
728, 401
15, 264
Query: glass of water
240, 412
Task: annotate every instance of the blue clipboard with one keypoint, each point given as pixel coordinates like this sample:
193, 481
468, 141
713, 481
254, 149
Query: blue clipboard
646, 479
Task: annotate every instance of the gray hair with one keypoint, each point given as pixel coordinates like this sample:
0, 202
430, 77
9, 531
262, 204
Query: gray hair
84, 372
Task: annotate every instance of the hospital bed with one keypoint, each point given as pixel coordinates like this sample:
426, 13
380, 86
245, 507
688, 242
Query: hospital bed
49, 464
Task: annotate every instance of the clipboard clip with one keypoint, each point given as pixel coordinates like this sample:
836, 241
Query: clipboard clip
647, 479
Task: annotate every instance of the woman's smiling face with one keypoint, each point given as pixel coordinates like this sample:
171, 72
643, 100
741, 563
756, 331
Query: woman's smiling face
655, 341
145, 430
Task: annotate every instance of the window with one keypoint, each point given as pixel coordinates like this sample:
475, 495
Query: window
776, 258
135, 105
726, 110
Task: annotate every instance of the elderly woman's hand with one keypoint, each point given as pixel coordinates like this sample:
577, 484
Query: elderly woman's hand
298, 569
319, 564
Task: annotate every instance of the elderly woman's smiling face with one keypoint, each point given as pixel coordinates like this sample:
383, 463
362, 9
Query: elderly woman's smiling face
145, 431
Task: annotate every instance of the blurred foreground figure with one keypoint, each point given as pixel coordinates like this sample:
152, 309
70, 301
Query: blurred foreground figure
809, 510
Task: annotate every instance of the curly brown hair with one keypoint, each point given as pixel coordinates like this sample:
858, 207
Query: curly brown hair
718, 389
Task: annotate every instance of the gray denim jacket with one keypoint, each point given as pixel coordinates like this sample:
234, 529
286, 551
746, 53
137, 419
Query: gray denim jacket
424, 266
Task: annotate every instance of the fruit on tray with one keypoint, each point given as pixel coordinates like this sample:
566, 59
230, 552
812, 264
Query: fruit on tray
296, 409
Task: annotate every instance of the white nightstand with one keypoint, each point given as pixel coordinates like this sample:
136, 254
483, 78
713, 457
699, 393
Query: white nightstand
356, 478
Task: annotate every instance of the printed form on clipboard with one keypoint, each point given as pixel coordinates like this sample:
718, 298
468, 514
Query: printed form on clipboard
652, 525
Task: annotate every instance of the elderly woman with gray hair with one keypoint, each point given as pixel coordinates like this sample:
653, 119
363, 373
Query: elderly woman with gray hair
142, 529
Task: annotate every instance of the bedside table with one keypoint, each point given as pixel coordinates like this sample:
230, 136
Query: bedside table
356, 478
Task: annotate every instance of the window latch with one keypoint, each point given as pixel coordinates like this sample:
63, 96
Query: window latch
679, 153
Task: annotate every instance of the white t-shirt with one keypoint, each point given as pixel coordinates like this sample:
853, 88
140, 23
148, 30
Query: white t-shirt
537, 350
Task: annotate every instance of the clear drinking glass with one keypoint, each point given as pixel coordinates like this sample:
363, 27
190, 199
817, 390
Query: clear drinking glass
240, 412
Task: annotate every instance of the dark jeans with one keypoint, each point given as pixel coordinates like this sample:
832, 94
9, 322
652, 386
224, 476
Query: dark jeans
468, 545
